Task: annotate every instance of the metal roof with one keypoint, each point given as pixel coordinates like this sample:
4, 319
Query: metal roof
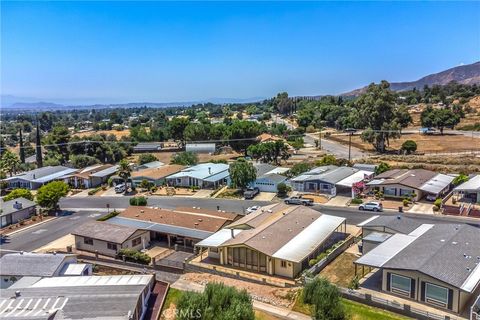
377, 237
397, 224
330, 175
105, 231
38, 173
437, 184
471, 185
202, 171
218, 176
55, 175
105, 172
354, 178
163, 228
31, 264
149, 165
218, 238
276, 178
7, 206
73, 269
309, 239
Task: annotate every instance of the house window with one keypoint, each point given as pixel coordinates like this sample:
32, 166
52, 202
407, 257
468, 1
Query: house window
436, 294
88, 241
401, 285
405, 192
112, 246
136, 241
283, 264
389, 191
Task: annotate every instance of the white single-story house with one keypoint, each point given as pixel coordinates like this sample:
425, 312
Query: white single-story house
16, 210
200, 147
268, 177
204, 175
34, 179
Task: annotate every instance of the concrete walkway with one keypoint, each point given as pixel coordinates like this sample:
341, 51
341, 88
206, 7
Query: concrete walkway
338, 201
202, 193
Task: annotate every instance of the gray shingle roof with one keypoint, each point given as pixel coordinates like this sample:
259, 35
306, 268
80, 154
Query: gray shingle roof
446, 252
263, 168
398, 224
31, 264
39, 173
8, 206
276, 178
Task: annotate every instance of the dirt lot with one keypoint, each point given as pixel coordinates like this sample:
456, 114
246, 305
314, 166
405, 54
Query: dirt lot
341, 270
446, 164
116, 133
165, 157
425, 143
274, 295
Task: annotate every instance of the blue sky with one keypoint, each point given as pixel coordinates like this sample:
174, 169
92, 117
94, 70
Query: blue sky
178, 51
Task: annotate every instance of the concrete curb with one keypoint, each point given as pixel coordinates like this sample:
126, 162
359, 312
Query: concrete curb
31, 226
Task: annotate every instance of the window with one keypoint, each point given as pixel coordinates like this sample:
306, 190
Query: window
436, 294
136, 241
405, 192
88, 241
112, 246
283, 264
389, 191
400, 284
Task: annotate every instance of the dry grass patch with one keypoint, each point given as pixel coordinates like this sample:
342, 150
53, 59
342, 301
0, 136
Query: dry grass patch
116, 133
341, 270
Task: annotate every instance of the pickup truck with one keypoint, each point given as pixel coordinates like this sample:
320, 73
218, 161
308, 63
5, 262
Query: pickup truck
251, 193
299, 200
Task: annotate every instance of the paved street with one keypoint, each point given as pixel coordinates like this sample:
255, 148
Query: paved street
43, 234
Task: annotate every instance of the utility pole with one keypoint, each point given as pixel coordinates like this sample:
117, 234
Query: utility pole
320, 139
350, 134
38, 147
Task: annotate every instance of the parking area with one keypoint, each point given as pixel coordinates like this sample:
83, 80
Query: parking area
174, 260
265, 196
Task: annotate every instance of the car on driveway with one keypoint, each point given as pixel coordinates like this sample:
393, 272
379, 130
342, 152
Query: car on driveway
119, 188
371, 206
299, 200
250, 193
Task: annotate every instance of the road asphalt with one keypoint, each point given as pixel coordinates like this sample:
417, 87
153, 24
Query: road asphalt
91, 208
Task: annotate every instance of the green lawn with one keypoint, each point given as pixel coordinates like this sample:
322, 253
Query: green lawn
172, 297
355, 310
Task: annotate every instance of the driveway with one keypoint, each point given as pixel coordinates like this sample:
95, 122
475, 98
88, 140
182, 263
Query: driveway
422, 207
265, 196
202, 193
338, 201
110, 192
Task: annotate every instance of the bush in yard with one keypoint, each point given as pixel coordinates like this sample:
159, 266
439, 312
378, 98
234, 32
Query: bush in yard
217, 301
19, 193
354, 283
382, 167
409, 146
461, 178
49, 194
93, 191
135, 256
356, 201
325, 299
185, 158
146, 158
138, 201
405, 202
437, 204
283, 189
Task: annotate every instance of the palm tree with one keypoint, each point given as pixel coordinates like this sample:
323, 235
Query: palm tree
124, 171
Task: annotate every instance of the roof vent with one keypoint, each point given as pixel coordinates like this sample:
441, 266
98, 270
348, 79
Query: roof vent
17, 205
199, 220
399, 217
443, 240
17, 294
142, 211
269, 210
468, 269
263, 237
454, 242
137, 215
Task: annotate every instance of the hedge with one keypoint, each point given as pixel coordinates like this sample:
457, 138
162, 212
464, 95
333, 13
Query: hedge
134, 256
92, 192
108, 216
138, 201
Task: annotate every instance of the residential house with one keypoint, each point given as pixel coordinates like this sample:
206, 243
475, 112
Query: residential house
149, 165
148, 147
34, 179
329, 180
108, 239
470, 189
277, 240
155, 175
122, 297
200, 147
435, 264
15, 266
90, 177
416, 183
183, 226
464, 200
268, 177
204, 175
267, 137
16, 210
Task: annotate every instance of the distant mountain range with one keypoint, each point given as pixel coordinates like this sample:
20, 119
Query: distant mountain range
465, 74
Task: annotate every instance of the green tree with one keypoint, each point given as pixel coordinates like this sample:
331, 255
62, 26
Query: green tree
9, 162
409, 146
19, 193
403, 117
57, 141
325, 299
124, 172
439, 118
146, 158
177, 127
185, 158
269, 152
282, 189
48, 195
382, 167
218, 302
82, 161
299, 168
461, 178
377, 113
242, 173
243, 134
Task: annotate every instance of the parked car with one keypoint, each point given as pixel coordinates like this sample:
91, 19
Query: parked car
431, 197
252, 209
250, 193
372, 206
299, 200
119, 188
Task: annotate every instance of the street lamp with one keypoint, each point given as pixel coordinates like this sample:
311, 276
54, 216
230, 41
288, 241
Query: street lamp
350, 131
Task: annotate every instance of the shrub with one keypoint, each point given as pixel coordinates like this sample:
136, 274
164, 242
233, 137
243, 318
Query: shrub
185, 158
134, 256
112, 214
146, 158
310, 129
461, 178
409, 146
19, 193
438, 203
382, 167
282, 189
354, 283
93, 191
153, 189
435, 208
138, 201
312, 262
356, 201
110, 182
405, 202
325, 298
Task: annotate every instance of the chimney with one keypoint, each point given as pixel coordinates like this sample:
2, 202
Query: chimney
17, 294
17, 205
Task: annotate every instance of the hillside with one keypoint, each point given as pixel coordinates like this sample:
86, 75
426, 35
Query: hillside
466, 74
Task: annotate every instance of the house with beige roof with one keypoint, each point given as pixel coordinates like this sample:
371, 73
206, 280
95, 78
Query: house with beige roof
182, 226
155, 175
276, 240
